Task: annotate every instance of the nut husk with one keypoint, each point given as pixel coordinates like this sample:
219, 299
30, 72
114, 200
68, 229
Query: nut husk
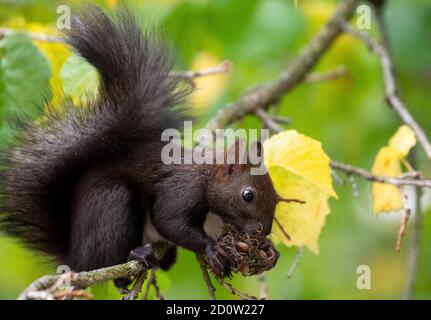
250, 253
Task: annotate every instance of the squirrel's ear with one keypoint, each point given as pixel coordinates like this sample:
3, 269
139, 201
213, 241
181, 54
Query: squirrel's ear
237, 152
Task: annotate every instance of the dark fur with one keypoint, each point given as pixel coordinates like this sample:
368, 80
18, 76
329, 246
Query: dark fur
80, 185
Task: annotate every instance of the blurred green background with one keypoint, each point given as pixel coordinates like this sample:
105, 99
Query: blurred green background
259, 37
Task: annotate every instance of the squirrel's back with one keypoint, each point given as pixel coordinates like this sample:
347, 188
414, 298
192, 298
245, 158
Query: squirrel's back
137, 100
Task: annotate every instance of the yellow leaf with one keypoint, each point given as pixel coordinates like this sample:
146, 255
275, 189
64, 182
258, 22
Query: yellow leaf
301, 155
302, 222
299, 169
111, 3
403, 140
386, 197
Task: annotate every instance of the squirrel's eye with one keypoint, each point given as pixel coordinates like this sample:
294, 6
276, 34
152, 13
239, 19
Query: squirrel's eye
248, 195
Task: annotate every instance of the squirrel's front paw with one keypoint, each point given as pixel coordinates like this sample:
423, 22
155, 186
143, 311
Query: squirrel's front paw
218, 260
144, 254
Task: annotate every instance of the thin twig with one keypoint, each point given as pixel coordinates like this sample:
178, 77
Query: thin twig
133, 294
390, 85
33, 35
268, 121
233, 290
189, 76
396, 181
228, 286
404, 220
295, 262
280, 226
156, 286
206, 276
263, 286
280, 119
147, 287
381, 50
320, 76
152, 282
413, 255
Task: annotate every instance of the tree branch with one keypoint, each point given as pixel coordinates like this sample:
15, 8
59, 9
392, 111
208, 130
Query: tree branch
228, 286
391, 89
137, 287
206, 276
295, 262
268, 93
320, 76
268, 121
129, 270
404, 220
189, 76
46, 286
396, 181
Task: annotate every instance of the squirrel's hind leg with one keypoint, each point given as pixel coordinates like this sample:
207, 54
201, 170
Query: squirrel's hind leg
146, 255
104, 223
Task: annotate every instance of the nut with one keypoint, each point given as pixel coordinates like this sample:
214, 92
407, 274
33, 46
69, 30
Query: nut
242, 247
244, 269
263, 254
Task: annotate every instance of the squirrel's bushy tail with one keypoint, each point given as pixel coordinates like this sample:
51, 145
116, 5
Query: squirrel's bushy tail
136, 101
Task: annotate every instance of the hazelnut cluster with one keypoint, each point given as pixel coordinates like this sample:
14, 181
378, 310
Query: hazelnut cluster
251, 253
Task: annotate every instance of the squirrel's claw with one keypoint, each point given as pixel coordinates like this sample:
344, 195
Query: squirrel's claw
144, 254
219, 261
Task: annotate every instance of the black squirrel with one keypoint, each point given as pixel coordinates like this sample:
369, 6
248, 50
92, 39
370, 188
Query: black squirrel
87, 186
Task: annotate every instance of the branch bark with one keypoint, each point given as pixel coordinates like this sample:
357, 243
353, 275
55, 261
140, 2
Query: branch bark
396, 181
129, 270
46, 286
268, 93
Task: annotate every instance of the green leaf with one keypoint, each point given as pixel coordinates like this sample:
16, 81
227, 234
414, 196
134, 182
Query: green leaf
24, 79
79, 78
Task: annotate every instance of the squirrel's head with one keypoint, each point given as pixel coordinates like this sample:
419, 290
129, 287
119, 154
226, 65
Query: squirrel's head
240, 197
